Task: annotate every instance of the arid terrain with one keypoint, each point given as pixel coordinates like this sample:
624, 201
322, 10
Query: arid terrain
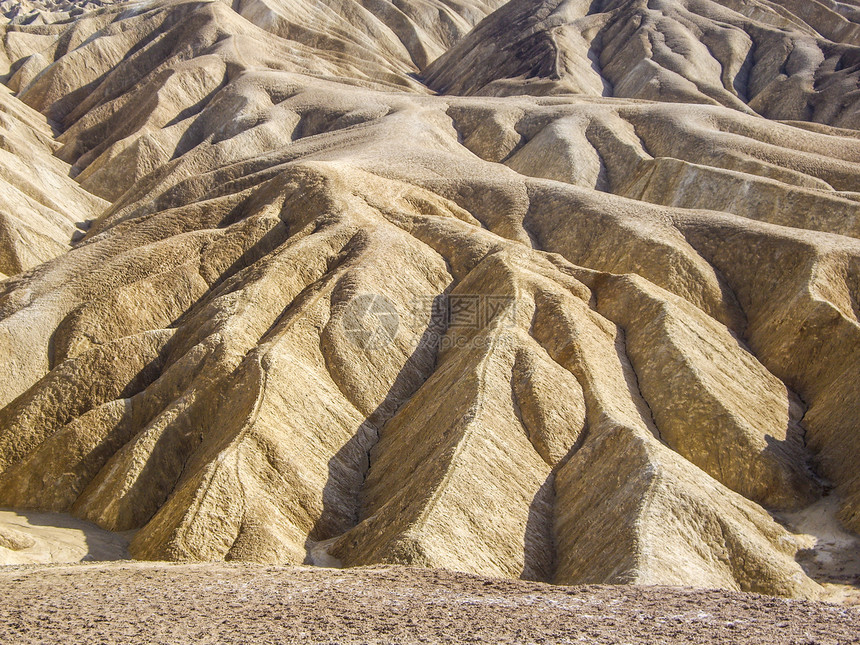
565, 291
244, 603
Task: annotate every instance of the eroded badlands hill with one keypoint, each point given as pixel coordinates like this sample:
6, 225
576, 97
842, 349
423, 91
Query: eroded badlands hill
604, 329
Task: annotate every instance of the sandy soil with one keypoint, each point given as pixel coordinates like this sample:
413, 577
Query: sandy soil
135, 602
829, 554
31, 537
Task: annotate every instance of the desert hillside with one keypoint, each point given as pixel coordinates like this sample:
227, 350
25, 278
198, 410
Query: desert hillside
558, 290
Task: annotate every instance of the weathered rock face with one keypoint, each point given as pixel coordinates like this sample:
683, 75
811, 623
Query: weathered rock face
321, 314
785, 60
40, 206
41, 12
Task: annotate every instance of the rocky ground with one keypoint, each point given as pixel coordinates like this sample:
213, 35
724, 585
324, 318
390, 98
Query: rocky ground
240, 603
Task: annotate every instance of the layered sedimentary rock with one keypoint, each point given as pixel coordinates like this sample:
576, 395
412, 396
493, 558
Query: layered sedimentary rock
325, 305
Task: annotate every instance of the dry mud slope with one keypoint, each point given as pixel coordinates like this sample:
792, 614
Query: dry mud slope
564, 291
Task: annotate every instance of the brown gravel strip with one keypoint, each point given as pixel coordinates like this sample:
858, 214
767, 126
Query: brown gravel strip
235, 603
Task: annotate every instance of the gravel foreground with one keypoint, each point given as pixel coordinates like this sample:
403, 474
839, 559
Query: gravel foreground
238, 603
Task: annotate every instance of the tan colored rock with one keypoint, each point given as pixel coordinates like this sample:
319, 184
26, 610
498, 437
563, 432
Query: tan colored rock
41, 208
653, 520
748, 56
15, 540
713, 402
592, 328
